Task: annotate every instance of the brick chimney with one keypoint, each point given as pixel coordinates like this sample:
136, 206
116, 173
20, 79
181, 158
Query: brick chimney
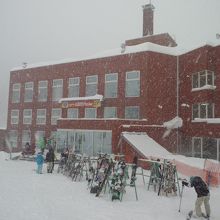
148, 19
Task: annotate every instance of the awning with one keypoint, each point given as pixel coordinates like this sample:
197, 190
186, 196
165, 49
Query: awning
145, 145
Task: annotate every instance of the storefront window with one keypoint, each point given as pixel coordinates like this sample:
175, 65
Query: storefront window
85, 142
210, 148
197, 147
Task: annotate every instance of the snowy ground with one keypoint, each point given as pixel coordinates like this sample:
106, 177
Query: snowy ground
26, 195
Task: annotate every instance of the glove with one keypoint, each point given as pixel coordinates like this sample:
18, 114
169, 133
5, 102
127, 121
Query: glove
185, 183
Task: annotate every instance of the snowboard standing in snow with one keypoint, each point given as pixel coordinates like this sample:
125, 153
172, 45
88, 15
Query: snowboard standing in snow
133, 172
107, 174
118, 181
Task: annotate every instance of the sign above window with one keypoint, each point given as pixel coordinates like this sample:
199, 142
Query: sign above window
89, 101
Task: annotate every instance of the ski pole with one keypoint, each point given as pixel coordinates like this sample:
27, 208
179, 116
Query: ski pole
181, 196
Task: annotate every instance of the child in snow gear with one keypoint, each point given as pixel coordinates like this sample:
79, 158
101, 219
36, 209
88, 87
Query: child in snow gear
203, 195
39, 161
50, 156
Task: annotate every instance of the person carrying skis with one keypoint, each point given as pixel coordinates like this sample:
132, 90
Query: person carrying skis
203, 195
39, 161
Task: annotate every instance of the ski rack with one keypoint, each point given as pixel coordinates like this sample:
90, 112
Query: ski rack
159, 173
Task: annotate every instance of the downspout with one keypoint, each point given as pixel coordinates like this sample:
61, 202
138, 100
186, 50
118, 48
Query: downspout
177, 101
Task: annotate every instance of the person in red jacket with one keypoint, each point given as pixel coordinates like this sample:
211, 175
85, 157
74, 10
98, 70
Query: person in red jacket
203, 195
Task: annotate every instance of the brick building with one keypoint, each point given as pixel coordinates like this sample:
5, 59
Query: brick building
87, 104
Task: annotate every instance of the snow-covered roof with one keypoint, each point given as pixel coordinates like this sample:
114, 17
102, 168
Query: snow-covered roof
94, 97
146, 145
148, 46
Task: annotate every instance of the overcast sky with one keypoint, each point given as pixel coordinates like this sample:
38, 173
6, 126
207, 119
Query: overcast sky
33, 31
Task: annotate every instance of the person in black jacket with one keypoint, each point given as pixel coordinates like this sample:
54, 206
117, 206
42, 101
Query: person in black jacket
203, 195
50, 157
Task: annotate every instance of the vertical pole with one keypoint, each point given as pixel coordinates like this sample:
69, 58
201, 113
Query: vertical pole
177, 101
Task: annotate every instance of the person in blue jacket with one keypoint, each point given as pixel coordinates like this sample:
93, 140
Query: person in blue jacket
39, 161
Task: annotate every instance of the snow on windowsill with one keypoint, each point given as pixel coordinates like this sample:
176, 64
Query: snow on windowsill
210, 87
207, 120
94, 97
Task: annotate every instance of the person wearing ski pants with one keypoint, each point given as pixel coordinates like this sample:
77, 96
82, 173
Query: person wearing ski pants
39, 161
203, 195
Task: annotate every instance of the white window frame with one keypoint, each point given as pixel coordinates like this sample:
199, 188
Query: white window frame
13, 138
199, 110
86, 113
55, 117
41, 116
27, 118
28, 88
56, 85
199, 74
73, 85
75, 109
193, 147
130, 107
111, 81
130, 80
14, 116
24, 141
108, 108
91, 83
42, 87
15, 90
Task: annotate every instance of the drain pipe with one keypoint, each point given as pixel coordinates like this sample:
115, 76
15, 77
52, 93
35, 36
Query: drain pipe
177, 100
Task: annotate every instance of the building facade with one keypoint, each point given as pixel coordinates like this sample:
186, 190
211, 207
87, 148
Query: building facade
87, 104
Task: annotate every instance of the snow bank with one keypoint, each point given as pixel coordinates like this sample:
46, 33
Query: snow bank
4, 155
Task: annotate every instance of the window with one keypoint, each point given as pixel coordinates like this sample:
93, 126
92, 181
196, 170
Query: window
73, 87
205, 147
56, 114
42, 91
41, 117
88, 142
14, 117
210, 148
28, 91
13, 138
72, 113
111, 85
202, 79
91, 85
203, 110
27, 116
90, 112
110, 112
132, 112
57, 89
16, 92
132, 84
26, 138
197, 147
